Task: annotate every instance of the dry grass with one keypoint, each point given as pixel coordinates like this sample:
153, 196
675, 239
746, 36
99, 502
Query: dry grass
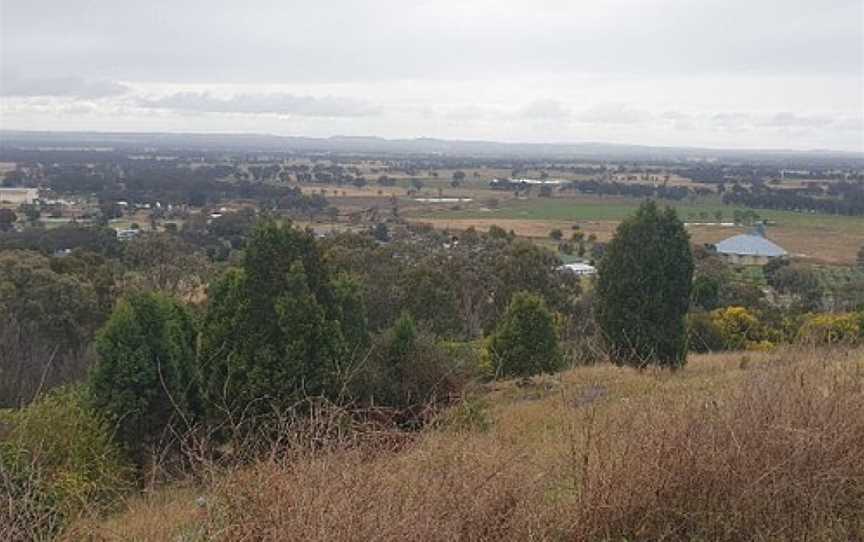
170, 513
827, 244
757, 447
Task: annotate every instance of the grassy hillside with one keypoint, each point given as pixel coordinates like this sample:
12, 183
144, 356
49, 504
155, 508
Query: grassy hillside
735, 446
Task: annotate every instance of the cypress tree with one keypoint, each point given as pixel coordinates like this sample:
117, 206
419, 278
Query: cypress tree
272, 334
525, 342
643, 289
145, 377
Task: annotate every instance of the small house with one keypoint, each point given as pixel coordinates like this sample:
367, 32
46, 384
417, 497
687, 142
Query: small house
749, 249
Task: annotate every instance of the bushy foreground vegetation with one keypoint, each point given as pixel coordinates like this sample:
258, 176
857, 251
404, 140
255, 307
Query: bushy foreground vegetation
725, 450
58, 461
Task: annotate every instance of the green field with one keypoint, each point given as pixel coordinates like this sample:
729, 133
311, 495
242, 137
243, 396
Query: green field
614, 209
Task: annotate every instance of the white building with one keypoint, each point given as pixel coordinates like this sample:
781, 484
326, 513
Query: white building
127, 234
581, 269
18, 195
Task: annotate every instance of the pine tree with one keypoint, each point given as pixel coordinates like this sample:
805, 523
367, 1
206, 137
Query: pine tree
145, 378
643, 289
525, 342
272, 334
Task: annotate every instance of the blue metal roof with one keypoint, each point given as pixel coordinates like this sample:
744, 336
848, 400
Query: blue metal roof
749, 245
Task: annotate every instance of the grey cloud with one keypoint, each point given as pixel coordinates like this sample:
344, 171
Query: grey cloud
613, 114
855, 123
544, 109
469, 113
731, 121
73, 87
675, 115
780, 120
262, 104
679, 120
786, 119
432, 59
374, 40
816, 125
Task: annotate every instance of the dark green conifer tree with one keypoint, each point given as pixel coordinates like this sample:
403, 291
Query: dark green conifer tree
145, 377
276, 329
525, 341
643, 289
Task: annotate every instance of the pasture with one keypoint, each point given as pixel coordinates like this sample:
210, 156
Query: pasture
821, 238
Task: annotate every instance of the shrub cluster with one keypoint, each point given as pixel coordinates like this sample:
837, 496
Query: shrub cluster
737, 328
832, 329
58, 460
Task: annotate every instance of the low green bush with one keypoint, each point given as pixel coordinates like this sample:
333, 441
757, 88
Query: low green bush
57, 461
703, 334
29, 510
470, 415
525, 342
408, 371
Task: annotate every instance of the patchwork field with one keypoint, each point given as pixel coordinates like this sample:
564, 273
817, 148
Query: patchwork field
821, 238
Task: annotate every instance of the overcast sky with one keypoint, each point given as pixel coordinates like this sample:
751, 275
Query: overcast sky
722, 73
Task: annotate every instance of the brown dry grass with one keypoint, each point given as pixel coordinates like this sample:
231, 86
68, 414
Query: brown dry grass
763, 448
827, 245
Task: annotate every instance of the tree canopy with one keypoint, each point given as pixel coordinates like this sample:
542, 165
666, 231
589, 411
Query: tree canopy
145, 377
273, 332
525, 342
643, 289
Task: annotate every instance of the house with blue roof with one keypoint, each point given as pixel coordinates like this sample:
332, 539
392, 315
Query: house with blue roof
749, 249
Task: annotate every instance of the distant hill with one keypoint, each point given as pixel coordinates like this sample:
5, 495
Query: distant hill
380, 146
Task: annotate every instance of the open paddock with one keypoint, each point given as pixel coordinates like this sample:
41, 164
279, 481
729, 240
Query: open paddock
829, 239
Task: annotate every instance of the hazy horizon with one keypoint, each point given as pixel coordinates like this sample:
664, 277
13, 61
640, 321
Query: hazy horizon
516, 144
722, 75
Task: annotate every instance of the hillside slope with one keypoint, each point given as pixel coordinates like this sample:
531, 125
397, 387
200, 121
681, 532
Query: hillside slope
735, 446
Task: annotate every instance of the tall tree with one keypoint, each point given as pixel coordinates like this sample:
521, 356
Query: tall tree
272, 333
643, 289
145, 378
457, 178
